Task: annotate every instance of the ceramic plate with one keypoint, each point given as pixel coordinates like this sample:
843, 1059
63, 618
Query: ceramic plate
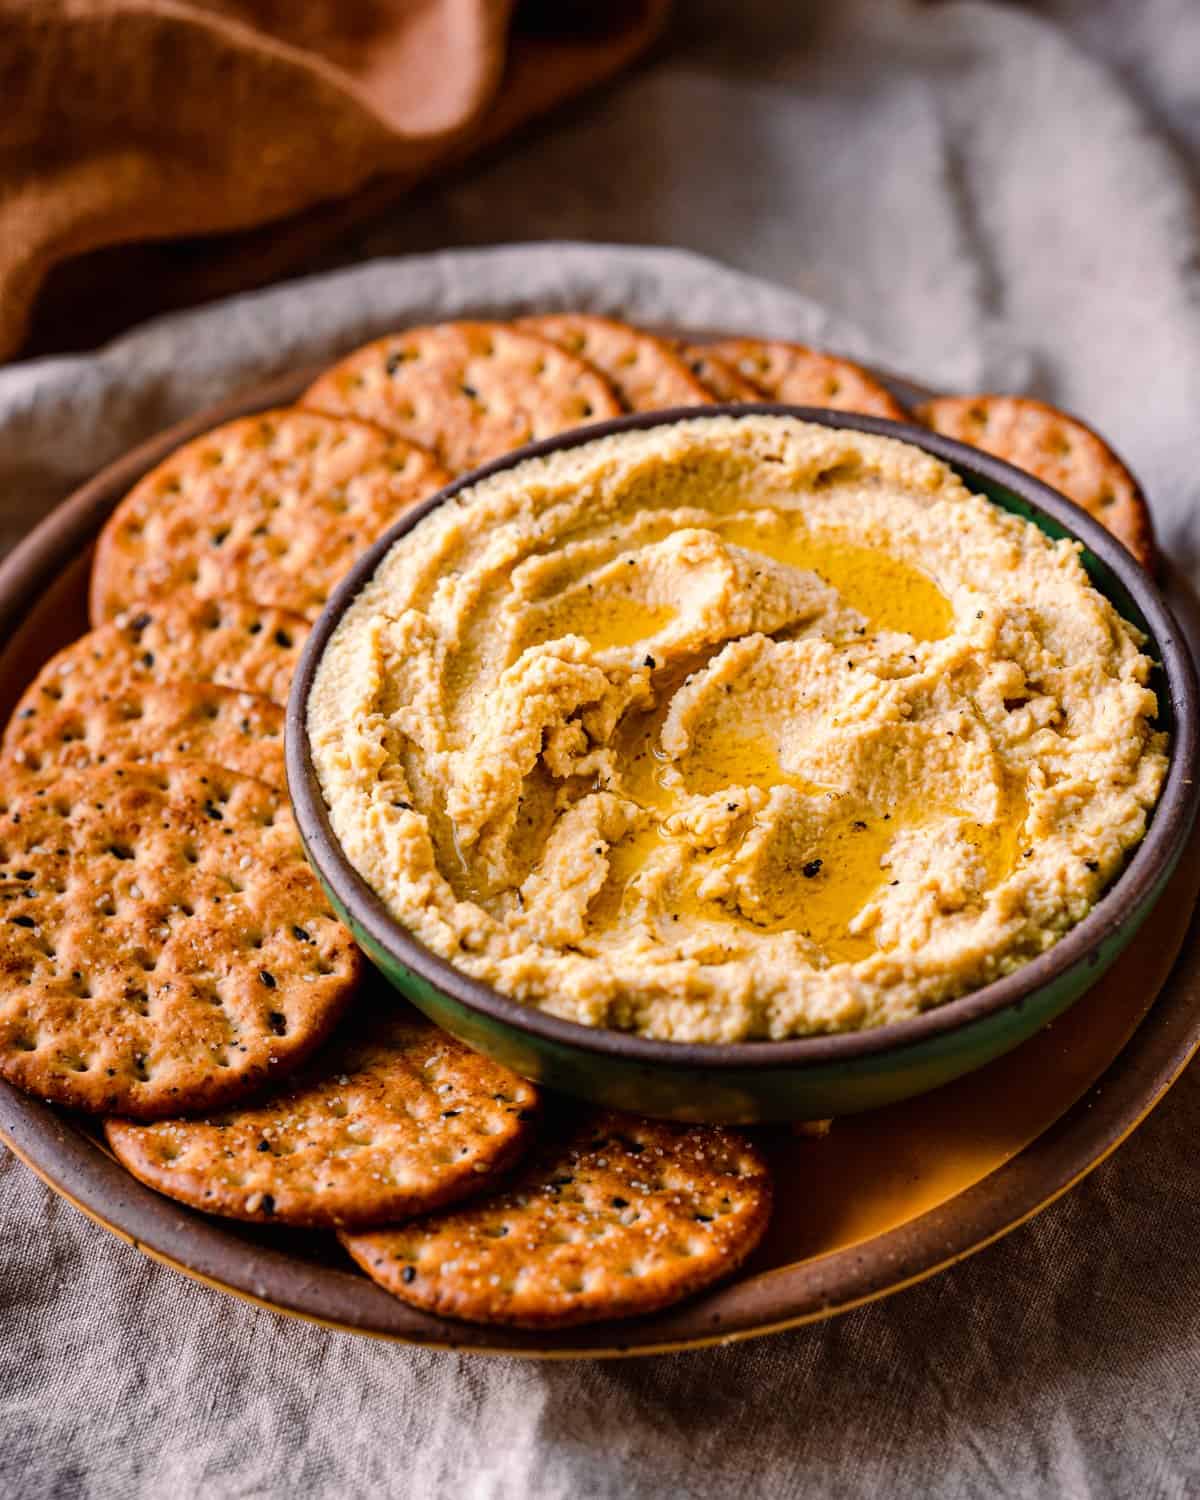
962, 1166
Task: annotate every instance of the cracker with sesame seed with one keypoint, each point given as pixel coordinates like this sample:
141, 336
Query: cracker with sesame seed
468, 391
807, 377
150, 962
1057, 449
615, 1217
273, 508
227, 641
718, 376
152, 722
394, 1119
645, 371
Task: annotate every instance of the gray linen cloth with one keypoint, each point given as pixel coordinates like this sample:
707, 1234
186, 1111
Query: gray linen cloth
980, 195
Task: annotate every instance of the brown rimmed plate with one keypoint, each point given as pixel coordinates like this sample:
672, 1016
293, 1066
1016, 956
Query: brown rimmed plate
963, 1165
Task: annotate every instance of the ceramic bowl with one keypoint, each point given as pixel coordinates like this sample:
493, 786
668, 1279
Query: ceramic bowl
810, 1077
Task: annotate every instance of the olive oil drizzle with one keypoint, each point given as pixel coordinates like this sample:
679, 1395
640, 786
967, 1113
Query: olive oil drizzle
830, 884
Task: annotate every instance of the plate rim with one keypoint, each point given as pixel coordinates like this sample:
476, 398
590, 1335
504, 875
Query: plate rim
1164, 1042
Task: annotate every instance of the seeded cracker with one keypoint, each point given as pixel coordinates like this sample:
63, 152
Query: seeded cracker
152, 722
644, 371
394, 1119
226, 641
274, 508
164, 946
719, 377
807, 377
468, 391
619, 1216
1058, 449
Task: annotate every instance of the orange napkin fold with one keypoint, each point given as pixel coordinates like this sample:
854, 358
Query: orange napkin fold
149, 120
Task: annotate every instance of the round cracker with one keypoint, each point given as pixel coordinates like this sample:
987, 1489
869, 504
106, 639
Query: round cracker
617, 1217
164, 945
273, 507
1056, 448
394, 1119
807, 377
231, 642
467, 391
151, 721
719, 377
644, 371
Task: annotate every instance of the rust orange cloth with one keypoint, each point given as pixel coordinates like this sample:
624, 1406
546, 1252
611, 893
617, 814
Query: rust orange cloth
149, 120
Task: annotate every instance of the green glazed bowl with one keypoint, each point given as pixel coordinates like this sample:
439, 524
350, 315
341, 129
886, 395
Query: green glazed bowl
812, 1077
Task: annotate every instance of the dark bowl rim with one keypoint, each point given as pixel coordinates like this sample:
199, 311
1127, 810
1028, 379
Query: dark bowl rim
1152, 861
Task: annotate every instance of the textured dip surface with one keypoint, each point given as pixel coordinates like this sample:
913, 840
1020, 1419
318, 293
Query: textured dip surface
736, 728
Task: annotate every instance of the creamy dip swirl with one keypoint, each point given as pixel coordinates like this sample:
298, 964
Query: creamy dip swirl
737, 728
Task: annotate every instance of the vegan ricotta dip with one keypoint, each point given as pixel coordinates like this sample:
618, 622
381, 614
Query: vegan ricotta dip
739, 727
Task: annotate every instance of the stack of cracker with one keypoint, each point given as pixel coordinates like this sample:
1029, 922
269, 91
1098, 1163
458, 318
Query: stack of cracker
169, 959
